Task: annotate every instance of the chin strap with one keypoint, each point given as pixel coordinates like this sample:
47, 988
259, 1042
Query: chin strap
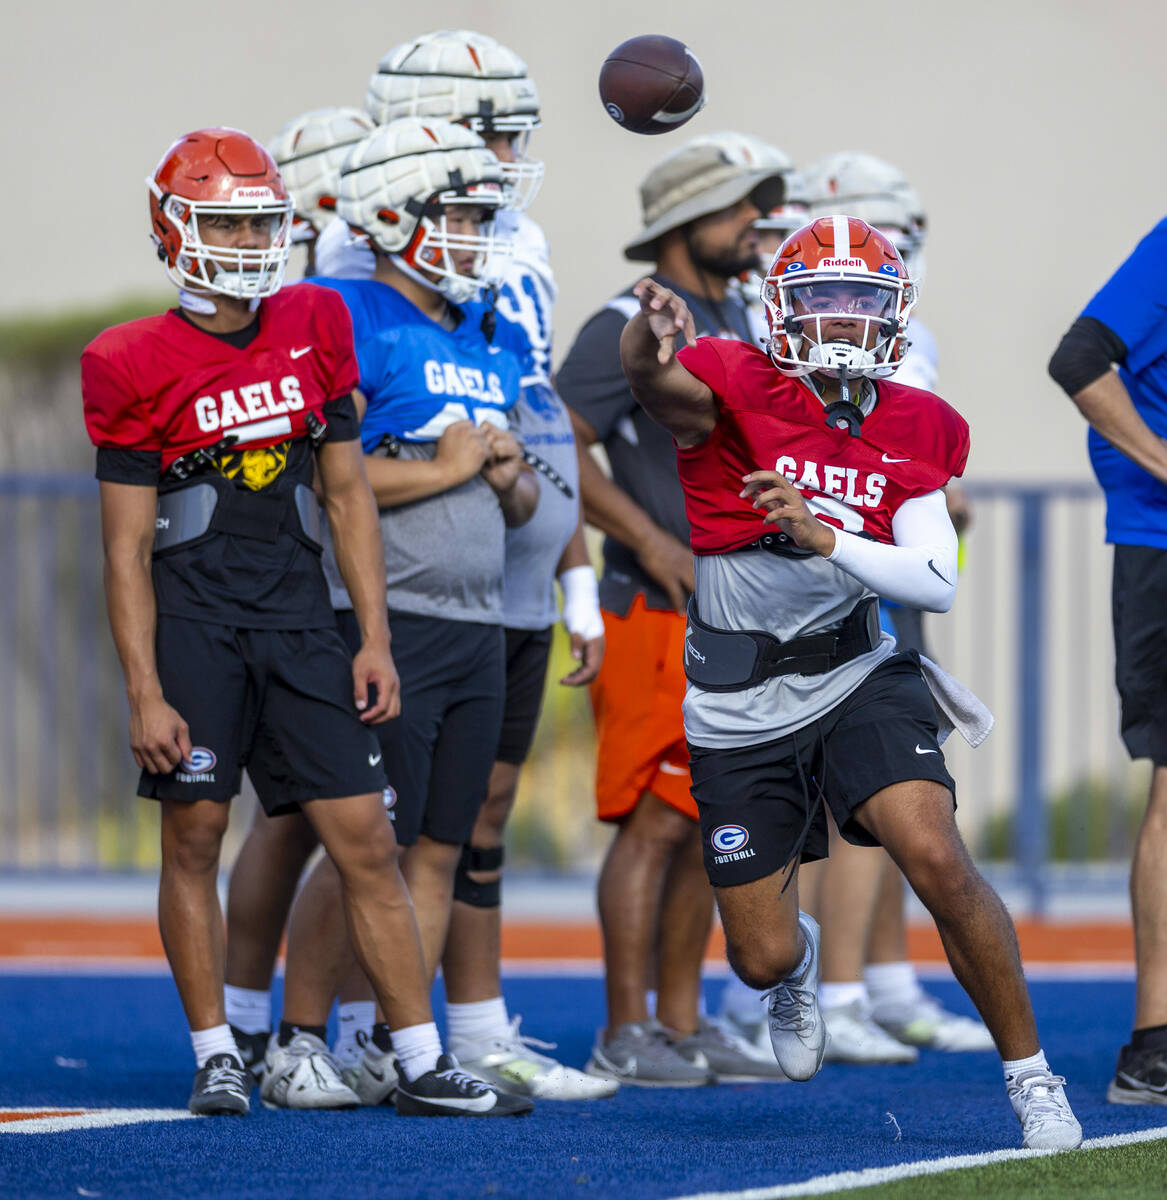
196, 303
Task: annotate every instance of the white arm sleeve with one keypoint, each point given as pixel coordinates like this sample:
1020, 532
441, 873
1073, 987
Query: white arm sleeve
920, 569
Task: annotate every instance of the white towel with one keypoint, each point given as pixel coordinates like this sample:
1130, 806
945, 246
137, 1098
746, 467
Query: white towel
957, 706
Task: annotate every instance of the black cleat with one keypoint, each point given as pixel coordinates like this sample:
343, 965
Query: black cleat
448, 1091
1140, 1077
252, 1048
222, 1088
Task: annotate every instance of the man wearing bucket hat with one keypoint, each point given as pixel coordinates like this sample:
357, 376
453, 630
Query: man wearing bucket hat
699, 205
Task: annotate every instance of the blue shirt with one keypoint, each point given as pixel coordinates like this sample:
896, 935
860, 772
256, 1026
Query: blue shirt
418, 377
1133, 303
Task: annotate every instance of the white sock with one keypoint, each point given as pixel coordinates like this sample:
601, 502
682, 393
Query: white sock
468, 1025
417, 1048
650, 1003
804, 961
835, 995
891, 983
248, 1010
209, 1042
1018, 1066
353, 1017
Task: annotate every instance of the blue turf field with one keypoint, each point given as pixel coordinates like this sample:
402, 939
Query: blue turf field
129, 1033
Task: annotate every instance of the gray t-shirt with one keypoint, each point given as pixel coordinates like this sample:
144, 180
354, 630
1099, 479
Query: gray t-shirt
533, 550
641, 452
786, 597
443, 554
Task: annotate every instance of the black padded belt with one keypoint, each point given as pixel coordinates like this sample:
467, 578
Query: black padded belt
190, 512
725, 660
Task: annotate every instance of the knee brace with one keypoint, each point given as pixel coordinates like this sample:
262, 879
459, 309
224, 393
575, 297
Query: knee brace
480, 895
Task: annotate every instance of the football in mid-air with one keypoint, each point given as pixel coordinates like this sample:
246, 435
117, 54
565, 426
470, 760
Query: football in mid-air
652, 84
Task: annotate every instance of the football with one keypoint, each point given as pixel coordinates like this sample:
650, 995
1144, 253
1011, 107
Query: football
652, 84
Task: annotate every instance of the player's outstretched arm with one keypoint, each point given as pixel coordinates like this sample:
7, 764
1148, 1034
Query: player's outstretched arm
159, 737
356, 538
680, 402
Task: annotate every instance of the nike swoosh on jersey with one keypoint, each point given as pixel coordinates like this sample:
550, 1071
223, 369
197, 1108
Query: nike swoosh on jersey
374, 761
893, 460
299, 353
921, 750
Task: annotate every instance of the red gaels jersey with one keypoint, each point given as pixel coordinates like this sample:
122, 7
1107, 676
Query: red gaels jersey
911, 444
160, 384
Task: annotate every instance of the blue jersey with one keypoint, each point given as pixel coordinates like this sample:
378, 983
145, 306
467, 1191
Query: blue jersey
1133, 303
419, 378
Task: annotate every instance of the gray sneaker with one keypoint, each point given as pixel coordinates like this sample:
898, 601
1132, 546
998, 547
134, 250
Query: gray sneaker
642, 1056
797, 1031
730, 1057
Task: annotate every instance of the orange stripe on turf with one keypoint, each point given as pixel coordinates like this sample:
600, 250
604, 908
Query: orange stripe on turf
137, 938
38, 1114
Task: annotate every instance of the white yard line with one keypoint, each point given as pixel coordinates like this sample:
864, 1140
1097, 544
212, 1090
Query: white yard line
100, 1118
844, 1181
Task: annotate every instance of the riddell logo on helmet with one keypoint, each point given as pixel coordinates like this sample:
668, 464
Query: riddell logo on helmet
252, 193
842, 262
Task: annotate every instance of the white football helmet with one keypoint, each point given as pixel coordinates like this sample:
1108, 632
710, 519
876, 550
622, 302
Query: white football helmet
309, 152
794, 211
864, 186
395, 186
472, 80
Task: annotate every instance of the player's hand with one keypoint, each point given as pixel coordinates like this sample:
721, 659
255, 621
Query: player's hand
668, 315
375, 672
590, 652
159, 737
462, 450
504, 460
670, 563
786, 508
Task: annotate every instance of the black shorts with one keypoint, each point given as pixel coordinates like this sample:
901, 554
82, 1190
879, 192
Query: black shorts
1139, 610
439, 752
759, 804
278, 702
527, 652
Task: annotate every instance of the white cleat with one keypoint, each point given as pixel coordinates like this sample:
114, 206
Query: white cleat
856, 1038
925, 1022
303, 1074
512, 1064
797, 1032
1047, 1121
374, 1078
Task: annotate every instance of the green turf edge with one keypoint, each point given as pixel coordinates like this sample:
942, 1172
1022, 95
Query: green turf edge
48, 339
1134, 1172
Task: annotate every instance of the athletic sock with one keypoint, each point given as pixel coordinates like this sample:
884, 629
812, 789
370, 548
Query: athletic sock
1017, 1066
836, 995
248, 1010
650, 1003
382, 1038
804, 961
468, 1025
353, 1018
890, 984
216, 1040
417, 1048
1151, 1037
289, 1031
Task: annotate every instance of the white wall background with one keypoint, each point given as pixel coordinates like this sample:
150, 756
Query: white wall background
1034, 129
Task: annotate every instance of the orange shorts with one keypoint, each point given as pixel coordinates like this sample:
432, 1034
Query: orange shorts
637, 703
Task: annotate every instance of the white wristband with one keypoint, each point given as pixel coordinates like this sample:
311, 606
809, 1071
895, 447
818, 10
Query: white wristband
581, 602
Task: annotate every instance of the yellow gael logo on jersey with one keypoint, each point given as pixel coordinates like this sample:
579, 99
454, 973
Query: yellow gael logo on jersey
255, 469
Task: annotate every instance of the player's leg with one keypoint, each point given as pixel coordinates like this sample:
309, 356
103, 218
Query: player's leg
899, 1004
1140, 641
214, 700
848, 886
686, 917
263, 882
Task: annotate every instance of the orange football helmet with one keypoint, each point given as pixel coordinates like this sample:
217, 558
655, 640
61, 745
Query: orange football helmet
837, 299
215, 172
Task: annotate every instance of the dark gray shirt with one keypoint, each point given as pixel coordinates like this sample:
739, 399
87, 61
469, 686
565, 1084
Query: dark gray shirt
641, 452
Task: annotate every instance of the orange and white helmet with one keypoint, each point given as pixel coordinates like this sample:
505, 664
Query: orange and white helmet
837, 299
216, 171
309, 151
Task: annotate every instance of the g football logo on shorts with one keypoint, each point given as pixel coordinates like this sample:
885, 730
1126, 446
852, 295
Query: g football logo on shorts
201, 761
727, 839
